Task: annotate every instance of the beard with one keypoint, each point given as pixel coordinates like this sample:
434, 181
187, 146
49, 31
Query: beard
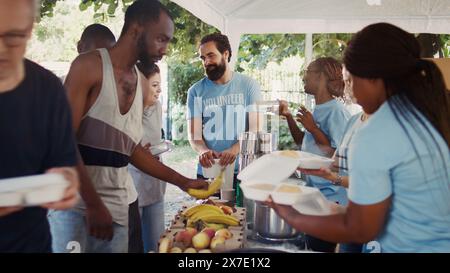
143, 56
215, 72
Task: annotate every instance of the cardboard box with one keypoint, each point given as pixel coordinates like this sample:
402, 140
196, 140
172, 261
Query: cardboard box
444, 66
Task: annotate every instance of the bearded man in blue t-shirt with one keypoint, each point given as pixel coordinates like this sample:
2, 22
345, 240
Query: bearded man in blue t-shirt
220, 106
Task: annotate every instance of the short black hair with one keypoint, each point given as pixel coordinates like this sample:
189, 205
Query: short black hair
221, 41
97, 31
148, 69
142, 11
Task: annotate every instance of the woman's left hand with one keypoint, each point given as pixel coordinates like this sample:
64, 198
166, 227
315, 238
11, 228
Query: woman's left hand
306, 119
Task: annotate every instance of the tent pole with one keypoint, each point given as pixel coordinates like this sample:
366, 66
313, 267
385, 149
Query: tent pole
308, 59
308, 48
235, 40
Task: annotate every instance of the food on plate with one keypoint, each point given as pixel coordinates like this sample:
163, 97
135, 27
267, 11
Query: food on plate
290, 153
289, 189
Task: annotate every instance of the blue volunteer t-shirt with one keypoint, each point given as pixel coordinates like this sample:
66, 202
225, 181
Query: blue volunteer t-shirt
36, 135
331, 117
383, 163
223, 109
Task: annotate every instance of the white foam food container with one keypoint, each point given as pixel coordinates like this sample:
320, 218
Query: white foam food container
295, 195
272, 168
313, 161
313, 204
255, 190
277, 167
32, 190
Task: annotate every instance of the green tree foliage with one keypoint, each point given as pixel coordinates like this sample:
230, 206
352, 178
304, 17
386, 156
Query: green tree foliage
185, 68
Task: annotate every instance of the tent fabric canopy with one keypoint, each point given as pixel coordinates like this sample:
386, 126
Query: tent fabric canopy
237, 17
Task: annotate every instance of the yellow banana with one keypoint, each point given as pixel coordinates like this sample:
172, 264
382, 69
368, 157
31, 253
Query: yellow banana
215, 226
212, 188
200, 214
192, 210
221, 219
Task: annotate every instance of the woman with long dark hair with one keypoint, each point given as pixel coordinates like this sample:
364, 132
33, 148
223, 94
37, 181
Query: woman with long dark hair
399, 161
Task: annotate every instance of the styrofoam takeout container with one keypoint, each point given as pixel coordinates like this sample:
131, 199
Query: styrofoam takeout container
290, 198
274, 169
254, 193
313, 161
32, 190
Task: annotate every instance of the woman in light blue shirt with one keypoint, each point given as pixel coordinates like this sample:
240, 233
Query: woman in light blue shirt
324, 127
399, 169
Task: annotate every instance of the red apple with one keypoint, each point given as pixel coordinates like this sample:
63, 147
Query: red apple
224, 232
185, 236
210, 231
191, 230
201, 240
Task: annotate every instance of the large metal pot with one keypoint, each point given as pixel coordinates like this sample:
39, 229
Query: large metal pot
268, 224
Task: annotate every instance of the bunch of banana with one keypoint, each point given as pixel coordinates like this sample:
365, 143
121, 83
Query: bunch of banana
202, 207
212, 188
198, 212
209, 214
221, 219
214, 226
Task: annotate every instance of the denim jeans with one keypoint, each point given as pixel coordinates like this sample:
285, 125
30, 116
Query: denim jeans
152, 217
70, 235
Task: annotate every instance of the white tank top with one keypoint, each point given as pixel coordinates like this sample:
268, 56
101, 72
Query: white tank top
106, 140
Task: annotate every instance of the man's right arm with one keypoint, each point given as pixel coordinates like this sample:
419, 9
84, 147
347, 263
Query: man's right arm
78, 84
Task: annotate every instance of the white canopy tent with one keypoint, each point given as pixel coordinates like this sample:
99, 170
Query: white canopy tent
237, 17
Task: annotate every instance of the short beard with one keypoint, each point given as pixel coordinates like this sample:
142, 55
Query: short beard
217, 72
143, 56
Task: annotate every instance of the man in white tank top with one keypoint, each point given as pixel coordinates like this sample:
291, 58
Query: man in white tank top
107, 109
